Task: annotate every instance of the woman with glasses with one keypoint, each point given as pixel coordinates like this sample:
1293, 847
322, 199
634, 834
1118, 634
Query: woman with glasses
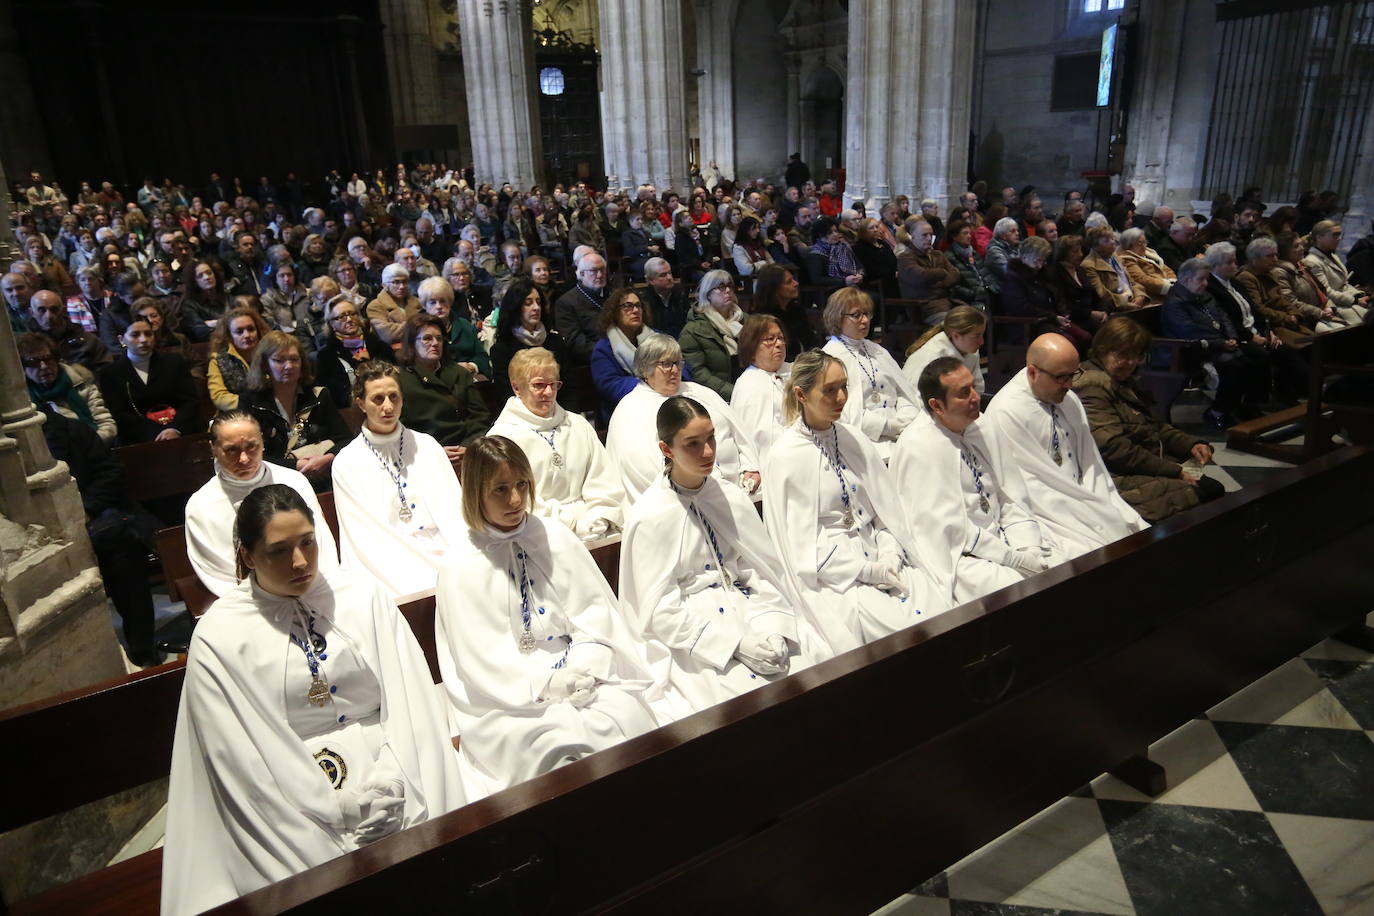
760, 390
631, 442
69, 389
624, 320
882, 401
439, 298
441, 397
347, 343
345, 273
710, 339
1156, 467
576, 482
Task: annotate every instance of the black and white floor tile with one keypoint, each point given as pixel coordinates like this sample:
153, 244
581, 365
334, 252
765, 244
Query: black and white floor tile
1270, 810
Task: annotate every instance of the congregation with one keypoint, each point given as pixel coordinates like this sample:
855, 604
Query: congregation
705, 375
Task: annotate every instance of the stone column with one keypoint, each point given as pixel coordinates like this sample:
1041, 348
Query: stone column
1360, 210
794, 105
907, 114
412, 67
717, 87
499, 71
8, 250
643, 95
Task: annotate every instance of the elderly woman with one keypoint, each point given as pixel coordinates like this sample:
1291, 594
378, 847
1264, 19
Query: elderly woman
394, 304
835, 519
231, 351
346, 744
760, 389
345, 273
347, 343
65, 388
1026, 291
150, 394
960, 335
882, 401
166, 339
1156, 467
624, 319
1106, 274
710, 339
437, 298
699, 576
441, 397
1146, 270
539, 667
577, 483
288, 306
1071, 285
1331, 275
314, 258
300, 426
630, 438
526, 321
1297, 288
91, 300
237, 448
876, 257
203, 300
395, 491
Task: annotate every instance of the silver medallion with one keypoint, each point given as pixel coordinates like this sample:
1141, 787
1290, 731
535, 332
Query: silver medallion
1058, 458
557, 460
873, 396
982, 502
406, 514
318, 694
848, 519
527, 643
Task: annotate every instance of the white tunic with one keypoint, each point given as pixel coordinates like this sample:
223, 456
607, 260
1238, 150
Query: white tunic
938, 346
632, 439
804, 511
692, 598
511, 729
584, 491
248, 803
935, 473
1074, 501
403, 556
210, 514
757, 399
881, 401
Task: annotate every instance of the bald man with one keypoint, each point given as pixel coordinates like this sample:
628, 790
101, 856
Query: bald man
1042, 428
48, 316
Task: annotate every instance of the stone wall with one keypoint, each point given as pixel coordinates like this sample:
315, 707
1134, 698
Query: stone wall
760, 90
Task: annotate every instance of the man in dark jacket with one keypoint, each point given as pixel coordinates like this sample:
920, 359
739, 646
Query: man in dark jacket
667, 300
244, 267
1360, 262
576, 312
48, 316
796, 174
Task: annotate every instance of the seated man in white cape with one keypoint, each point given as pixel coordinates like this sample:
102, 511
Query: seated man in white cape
395, 492
632, 441
309, 725
882, 401
1042, 429
577, 484
832, 512
538, 664
966, 505
236, 443
699, 580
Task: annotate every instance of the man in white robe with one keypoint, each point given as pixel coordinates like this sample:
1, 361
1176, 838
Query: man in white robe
1043, 431
967, 513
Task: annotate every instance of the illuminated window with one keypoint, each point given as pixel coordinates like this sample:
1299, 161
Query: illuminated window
551, 81
1098, 6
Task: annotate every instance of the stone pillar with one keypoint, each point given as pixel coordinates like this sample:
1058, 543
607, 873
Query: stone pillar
717, 90
643, 94
1360, 210
23, 144
8, 250
412, 67
499, 72
794, 140
907, 114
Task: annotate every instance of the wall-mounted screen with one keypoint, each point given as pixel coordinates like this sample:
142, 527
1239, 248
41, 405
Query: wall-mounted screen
1105, 62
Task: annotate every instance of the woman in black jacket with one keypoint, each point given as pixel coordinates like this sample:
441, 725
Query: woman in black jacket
149, 393
525, 321
1027, 293
349, 341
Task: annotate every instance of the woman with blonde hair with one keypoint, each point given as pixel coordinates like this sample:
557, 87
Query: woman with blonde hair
301, 429
881, 401
235, 338
960, 335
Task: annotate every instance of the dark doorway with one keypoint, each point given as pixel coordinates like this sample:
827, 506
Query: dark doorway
822, 121
569, 110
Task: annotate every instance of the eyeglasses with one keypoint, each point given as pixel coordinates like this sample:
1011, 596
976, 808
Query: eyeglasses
775, 339
858, 316
545, 386
594, 271
33, 362
1063, 378
430, 338
340, 316
668, 365
631, 307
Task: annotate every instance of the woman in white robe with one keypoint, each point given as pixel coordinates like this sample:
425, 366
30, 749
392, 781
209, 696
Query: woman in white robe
700, 581
631, 440
759, 390
236, 443
309, 725
832, 511
576, 482
881, 401
395, 492
539, 667
960, 335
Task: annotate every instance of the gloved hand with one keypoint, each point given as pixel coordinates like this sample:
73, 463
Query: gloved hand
576, 686
591, 529
382, 804
766, 655
1028, 561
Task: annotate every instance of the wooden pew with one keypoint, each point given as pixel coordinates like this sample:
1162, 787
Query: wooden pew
173, 467
840, 787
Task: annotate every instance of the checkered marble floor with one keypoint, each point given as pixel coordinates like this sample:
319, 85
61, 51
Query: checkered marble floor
1270, 810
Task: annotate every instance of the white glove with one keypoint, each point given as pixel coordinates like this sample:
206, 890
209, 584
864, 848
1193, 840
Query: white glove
591, 529
1028, 561
382, 804
766, 655
576, 686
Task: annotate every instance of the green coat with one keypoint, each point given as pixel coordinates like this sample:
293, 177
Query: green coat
464, 347
703, 349
445, 404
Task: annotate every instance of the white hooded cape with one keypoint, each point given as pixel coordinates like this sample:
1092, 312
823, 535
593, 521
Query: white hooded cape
632, 439
1079, 515
898, 403
928, 468
938, 346
672, 594
404, 557
248, 805
757, 399
586, 488
848, 612
210, 514
510, 732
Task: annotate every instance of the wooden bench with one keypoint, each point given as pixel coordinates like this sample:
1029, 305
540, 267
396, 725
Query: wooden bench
170, 468
1004, 705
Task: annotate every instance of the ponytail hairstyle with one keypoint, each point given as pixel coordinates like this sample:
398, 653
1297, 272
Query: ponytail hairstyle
959, 320
256, 510
807, 370
673, 415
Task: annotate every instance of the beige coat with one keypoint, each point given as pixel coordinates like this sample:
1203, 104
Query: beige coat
388, 317
1148, 273
1333, 277
1103, 279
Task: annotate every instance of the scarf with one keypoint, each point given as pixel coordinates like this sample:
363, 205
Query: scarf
729, 328
516, 408
530, 338
355, 347
237, 487
622, 349
62, 391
